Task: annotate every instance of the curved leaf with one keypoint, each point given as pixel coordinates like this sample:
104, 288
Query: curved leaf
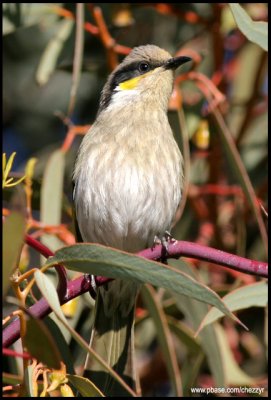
254, 295
255, 31
101, 260
164, 336
51, 196
13, 236
49, 292
51, 53
185, 334
84, 386
194, 312
61, 343
41, 344
234, 375
31, 387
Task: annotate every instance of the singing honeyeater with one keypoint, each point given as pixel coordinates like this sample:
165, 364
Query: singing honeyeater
128, 182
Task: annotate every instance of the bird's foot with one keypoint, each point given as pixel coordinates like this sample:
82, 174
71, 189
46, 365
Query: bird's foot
166, 239
93, 285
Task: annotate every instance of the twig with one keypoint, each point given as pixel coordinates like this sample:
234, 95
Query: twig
62, 286
78, 55
14, 354
106, 39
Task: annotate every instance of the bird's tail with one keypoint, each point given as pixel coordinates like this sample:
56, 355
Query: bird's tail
113, 339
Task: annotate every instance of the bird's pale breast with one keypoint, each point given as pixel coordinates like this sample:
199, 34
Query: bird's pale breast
128, 187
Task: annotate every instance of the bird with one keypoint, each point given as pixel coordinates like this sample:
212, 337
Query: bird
128, 180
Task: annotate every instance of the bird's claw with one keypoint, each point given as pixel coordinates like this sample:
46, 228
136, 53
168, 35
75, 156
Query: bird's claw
166, 239
93, 286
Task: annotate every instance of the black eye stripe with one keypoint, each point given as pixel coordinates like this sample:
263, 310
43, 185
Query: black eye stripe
132, 70
125, 73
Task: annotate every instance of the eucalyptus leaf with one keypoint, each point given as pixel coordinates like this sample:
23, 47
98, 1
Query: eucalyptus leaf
41, 344
61, 343
13, 238
254, 295
52, 51
255, 31
234, 375
194, 312
164, 336
84, 386
31, 388
51, 196
49, 292
184, 334
101, 260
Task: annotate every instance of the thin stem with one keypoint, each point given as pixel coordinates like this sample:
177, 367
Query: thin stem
78, 55
61, 271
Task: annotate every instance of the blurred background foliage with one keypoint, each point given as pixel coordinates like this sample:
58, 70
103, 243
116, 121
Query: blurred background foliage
38, 61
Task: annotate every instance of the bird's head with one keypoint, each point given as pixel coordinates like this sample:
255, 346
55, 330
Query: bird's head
145, 75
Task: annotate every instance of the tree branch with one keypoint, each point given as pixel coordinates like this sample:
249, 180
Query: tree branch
175, 250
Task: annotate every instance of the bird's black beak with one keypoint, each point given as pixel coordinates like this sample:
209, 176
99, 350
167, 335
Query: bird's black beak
175, 62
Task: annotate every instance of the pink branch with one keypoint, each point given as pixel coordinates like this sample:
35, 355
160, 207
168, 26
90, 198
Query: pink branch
187, 249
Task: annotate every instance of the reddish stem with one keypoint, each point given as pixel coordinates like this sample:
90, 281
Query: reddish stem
12, 353
62, 286
35, 244
40, 309
181, 248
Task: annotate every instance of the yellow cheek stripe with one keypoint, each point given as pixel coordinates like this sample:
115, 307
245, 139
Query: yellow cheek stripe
130, 84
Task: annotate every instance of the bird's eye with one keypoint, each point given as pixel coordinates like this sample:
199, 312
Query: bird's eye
143, 67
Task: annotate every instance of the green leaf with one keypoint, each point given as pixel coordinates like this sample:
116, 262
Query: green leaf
61, 343
254, 295
164, 336
13, 237
101, 260
256, 32
51, 196
21, 16
184, 334
190, 372
31, 387
52, 51
11, 379
78, 56
49, 292
233, 373
194, 312
84, 386
41, 344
